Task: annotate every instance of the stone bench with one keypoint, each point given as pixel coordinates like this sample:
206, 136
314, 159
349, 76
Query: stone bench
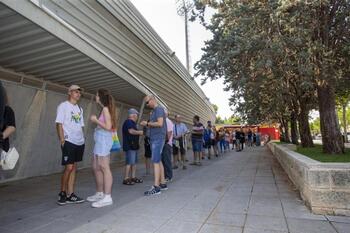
325, 187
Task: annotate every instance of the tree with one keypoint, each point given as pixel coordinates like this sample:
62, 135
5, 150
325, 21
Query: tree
277, 56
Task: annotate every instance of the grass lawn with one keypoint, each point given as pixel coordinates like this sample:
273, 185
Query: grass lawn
316, 154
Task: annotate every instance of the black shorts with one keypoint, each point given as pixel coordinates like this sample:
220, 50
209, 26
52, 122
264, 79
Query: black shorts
72, 153
213, 142
148, 152
207, 145
177, 149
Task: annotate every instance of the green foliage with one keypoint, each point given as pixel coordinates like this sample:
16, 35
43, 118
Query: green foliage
316, 154
216, 108
274, 55
315, 126
340, 116
233, 120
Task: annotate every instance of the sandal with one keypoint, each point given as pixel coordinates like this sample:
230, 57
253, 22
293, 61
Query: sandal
128, 181
137, 180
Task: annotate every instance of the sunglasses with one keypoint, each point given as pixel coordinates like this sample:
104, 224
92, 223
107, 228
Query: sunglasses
147, 102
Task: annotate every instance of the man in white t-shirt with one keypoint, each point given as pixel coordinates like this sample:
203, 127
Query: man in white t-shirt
69, 125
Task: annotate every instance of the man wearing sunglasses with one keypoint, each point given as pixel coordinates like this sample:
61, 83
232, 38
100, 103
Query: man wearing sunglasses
157, 127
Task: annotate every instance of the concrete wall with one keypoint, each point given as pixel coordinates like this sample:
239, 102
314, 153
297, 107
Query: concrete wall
325, 187
36, 138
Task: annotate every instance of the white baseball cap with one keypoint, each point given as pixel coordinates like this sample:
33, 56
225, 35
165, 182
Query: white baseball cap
73, 88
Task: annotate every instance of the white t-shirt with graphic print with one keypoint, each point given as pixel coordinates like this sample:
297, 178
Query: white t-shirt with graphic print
71, 118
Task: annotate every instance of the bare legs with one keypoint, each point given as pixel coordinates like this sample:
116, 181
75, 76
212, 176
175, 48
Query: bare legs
68, 178
148, 165
158, 174
128, 169
103, 174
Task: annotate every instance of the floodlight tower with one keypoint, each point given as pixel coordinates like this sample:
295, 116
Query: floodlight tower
183, 8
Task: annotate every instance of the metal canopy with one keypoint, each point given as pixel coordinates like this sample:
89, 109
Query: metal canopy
26, 47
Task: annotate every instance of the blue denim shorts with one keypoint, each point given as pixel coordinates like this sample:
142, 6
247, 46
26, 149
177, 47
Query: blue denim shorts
157, 148
130, 157
197, 146
103, 142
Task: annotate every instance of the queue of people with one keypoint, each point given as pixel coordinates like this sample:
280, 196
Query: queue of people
164, 143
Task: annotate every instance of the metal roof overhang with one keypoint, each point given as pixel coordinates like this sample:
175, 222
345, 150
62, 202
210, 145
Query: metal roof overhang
54, 53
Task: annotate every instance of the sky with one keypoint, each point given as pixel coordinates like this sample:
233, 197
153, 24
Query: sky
162, 16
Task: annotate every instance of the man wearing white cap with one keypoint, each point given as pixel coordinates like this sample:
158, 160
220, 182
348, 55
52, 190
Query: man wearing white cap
69, 125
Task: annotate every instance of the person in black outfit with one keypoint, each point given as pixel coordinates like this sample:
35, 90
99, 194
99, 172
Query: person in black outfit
238, 140
242, 139
7, 121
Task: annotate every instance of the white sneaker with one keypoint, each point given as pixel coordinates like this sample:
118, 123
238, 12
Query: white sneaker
96, 197
105, 201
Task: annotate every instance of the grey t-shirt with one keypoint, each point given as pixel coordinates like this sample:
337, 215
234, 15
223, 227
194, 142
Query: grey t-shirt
158, 133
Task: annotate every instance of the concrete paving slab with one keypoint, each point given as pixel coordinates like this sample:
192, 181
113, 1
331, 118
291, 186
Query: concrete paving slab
187, 215
341, 219
254, 230
309, 226
220, 218
211, 228
175, 226
212, 198
266, 223
341, 227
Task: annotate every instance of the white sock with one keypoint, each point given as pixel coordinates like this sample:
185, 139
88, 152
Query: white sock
99, 193
107, 196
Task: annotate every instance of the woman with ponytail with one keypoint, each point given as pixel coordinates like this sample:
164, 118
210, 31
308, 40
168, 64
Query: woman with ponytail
106, 122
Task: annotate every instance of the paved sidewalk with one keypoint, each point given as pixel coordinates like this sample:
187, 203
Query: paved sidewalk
238, 192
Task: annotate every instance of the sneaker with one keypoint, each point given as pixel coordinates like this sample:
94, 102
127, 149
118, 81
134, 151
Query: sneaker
167, 180
175, 167
209, 157
105, 201
62, 198
163, 187
74, 199
193, 163
184, 167
96, 197
199, 164
153, 191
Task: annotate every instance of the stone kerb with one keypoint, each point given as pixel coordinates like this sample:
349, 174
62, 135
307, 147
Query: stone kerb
325, 187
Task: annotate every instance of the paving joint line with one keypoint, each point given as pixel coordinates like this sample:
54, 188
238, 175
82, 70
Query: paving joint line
206, 220
183, 207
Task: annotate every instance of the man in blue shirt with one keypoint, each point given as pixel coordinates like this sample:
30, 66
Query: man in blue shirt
158, 135
180, 130
131, 146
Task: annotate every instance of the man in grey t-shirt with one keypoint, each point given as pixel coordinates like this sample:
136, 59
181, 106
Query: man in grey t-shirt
157, 126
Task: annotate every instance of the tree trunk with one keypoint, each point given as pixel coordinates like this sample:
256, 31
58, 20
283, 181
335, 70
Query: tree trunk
304, 127
294, 128
345, 123
332, 142
286, 131
282, 137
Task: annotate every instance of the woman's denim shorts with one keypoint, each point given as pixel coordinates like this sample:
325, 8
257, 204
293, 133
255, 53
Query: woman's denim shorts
103, 142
